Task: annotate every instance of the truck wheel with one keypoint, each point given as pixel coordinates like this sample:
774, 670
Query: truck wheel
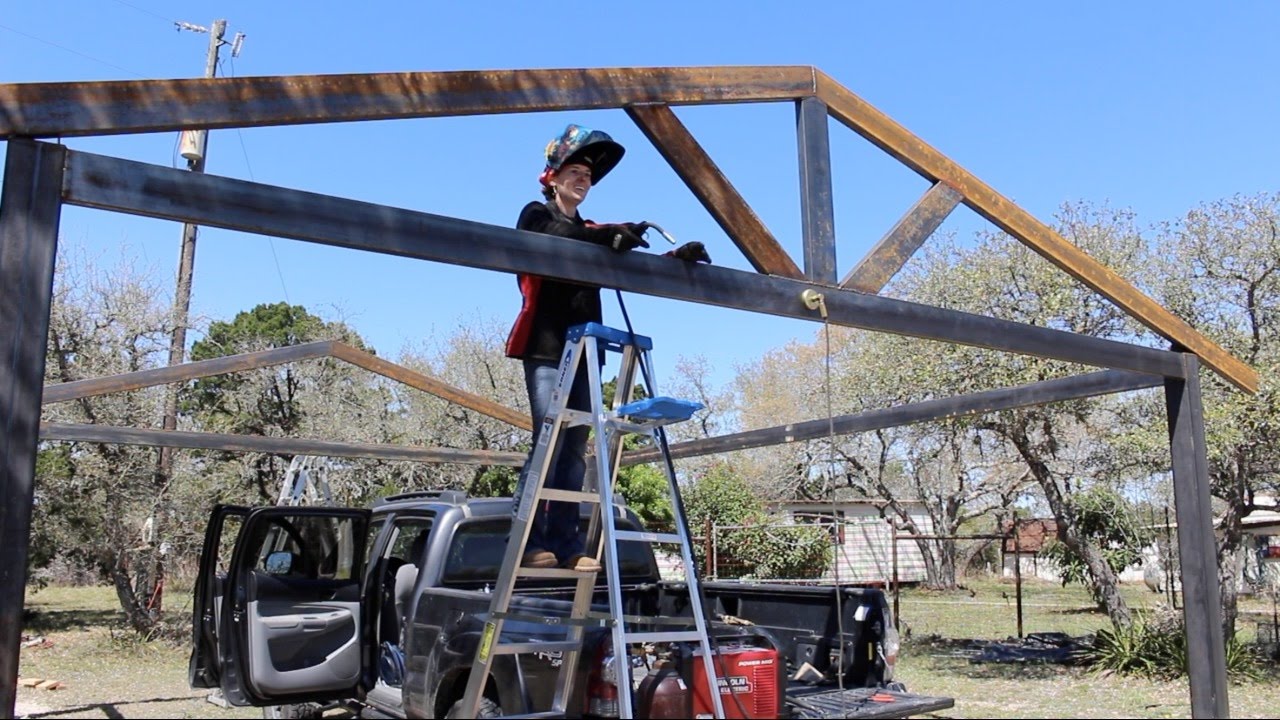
486, 709
304, 710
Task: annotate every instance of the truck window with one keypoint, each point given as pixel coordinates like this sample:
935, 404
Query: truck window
475, 555
317, 547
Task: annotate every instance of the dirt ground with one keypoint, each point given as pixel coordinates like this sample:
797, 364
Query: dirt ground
76, 637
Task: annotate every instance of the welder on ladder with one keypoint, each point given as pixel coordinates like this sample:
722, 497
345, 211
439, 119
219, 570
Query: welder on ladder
575, 161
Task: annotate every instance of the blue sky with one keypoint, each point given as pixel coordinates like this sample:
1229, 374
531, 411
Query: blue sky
1151, 106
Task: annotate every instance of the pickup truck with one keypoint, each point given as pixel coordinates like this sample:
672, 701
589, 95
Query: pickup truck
301, 610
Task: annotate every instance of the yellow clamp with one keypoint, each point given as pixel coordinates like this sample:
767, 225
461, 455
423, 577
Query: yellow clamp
814, 300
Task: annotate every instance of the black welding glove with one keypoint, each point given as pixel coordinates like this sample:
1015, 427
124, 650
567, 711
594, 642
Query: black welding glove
624, 238
691, 252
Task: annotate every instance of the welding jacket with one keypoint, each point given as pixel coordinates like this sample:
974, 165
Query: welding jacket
551, 307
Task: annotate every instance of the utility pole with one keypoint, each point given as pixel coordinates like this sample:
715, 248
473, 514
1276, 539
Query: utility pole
192, 146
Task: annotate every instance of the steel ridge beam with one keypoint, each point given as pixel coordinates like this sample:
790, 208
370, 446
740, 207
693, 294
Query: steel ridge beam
701, 175
72, 432
900, 143
70, 109
1046, 391
63, 392
426, 383
167, 193
123, 382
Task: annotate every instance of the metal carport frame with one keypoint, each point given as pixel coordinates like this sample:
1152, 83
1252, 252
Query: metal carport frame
39, 177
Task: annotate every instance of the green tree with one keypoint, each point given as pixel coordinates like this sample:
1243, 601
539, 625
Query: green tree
755, 544
1218, 267
327, 397
96, 504
1107, 521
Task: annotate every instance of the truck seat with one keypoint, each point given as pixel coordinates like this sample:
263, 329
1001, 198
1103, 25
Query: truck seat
407, 576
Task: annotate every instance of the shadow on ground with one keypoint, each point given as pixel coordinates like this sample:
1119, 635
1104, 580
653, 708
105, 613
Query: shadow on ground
110, 710
38, 621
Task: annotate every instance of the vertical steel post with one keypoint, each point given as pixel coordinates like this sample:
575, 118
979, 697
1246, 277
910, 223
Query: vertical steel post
30, 205
1201, 599
893, 543
1017, 581
817, 211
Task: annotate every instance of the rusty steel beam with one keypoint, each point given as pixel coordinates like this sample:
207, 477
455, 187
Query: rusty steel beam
900, 143
893, 251
699, 172
133, 106
124, 382
415, 379
71, 432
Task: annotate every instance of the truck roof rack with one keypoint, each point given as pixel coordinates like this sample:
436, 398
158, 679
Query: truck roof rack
452, 497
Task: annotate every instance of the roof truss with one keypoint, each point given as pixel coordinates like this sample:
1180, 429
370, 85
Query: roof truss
100, 108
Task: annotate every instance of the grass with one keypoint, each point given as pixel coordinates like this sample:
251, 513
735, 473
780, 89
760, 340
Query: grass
1038, 690
105, 670
108, 673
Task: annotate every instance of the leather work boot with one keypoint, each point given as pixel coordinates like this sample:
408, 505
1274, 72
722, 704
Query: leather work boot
538, 559
582, 563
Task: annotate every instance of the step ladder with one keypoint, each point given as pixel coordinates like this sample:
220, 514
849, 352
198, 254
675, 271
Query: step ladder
586, 344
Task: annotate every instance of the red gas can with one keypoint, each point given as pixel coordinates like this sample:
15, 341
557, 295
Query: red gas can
750, 681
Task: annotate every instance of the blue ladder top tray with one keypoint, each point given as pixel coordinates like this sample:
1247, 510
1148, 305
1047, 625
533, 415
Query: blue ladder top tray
610, 335
660, 408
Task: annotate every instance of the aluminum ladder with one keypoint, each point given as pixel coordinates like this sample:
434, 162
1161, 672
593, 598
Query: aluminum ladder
586, 344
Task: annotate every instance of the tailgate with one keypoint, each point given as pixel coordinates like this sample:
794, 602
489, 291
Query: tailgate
861, 703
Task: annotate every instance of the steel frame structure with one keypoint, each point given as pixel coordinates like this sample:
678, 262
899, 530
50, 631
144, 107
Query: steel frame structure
40, 177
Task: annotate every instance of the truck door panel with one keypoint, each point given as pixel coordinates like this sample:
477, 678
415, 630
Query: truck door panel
220, 532
295, 603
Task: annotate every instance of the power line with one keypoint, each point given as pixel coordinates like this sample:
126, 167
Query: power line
147, 12
73, 52
270, 241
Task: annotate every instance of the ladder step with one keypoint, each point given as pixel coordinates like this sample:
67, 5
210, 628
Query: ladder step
591, 620
568, 495
643, 619
561, 573
661, 637
517, 648
573, 418
649, 537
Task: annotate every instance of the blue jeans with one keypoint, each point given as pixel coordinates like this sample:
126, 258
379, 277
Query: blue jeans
555, 523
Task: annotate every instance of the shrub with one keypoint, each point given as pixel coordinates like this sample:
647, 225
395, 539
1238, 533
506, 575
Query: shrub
1155, 647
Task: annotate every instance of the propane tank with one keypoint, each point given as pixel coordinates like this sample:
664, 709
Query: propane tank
663, 694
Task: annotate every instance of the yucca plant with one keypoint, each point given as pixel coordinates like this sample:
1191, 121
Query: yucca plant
1155, 646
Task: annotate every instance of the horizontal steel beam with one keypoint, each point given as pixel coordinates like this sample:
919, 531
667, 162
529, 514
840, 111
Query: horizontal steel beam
1048, 391
133, 106
881, 130
156, 191
69, 432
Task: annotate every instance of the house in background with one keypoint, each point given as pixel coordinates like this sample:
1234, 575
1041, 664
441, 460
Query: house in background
863, 534
1025, 548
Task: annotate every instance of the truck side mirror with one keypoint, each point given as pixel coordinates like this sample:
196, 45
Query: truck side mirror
279, 563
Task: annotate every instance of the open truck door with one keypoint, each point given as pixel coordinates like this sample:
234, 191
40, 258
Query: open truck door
215, 555
290, 625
